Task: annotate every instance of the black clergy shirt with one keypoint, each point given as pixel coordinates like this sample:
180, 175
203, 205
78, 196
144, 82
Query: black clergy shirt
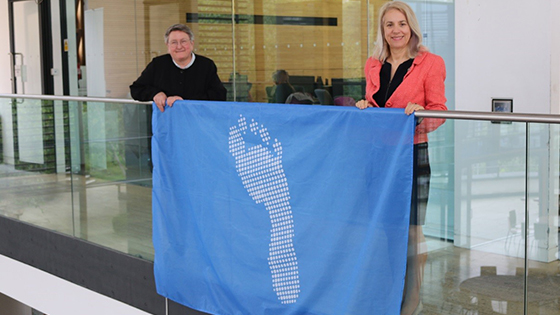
200, 81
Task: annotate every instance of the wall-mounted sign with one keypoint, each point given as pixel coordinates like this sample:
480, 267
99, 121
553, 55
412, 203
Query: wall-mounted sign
502, 105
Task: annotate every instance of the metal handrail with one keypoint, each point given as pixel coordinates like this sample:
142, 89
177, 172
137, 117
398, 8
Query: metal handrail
451, 114
75, 99
469, 115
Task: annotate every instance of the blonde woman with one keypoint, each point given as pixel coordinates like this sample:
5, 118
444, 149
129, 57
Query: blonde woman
402, 73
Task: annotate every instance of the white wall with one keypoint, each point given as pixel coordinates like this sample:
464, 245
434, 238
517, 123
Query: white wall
53, 295
93, 25
555, 59
503, 50
5, 83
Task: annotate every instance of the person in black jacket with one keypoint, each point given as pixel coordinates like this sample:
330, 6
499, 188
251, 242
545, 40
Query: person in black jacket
179, 75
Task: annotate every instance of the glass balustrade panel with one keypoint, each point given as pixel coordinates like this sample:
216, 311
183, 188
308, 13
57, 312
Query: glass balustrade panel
35, 184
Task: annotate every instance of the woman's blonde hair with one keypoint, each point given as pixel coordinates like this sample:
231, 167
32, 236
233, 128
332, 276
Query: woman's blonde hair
381, 51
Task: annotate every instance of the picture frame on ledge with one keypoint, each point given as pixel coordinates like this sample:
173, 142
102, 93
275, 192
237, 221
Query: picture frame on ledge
502, 105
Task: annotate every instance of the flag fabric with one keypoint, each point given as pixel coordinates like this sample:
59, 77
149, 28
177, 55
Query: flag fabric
281, 209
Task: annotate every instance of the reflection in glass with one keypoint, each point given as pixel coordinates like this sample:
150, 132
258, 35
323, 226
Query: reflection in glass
99, 189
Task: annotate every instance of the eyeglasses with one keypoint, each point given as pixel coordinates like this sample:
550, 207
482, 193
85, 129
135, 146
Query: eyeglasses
175, 43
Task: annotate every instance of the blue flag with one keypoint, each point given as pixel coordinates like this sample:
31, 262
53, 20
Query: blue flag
281, 209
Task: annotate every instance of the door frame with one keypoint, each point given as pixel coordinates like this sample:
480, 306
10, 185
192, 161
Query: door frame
46, 88
45, 42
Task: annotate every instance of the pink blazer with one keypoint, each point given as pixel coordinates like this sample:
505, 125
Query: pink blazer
423, 84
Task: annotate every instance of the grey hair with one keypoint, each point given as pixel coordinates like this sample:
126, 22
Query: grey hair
179, 27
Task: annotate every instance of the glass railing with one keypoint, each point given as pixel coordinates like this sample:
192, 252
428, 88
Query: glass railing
79, 167
82, 167
494, 207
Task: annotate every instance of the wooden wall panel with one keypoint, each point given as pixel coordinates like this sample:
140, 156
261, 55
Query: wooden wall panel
120, 52
134, 35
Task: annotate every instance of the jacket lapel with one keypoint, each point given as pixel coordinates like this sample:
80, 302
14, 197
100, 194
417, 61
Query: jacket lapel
374, 75
417, 60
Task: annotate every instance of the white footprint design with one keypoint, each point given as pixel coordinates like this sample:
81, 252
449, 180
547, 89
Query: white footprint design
262, 175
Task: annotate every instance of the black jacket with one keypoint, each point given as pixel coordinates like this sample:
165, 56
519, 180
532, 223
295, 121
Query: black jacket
198, 82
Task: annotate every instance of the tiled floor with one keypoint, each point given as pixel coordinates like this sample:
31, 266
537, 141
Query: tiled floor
483, 279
